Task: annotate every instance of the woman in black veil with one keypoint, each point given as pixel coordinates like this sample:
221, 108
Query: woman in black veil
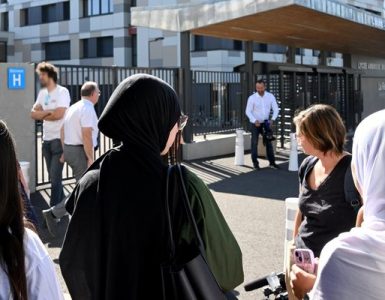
115, 242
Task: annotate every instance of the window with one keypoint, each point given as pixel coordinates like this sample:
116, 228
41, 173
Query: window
260, 47
203, 43
98, 47
58, 50
4, 21
3, 52
49, 13
97, 7
32, 16
105, 47
45, 14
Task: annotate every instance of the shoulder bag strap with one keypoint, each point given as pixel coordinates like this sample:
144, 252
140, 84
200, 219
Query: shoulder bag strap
189, 212
352, 196
171, 240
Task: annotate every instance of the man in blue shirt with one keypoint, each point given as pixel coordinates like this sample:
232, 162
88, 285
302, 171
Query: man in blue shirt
258, 110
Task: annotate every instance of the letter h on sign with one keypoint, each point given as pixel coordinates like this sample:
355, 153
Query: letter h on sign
16, 78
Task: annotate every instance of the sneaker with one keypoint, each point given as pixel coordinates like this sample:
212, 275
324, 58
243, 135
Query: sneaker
274, 166
256, 167
51, 221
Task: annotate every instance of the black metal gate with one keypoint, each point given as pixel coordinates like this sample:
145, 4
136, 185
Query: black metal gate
297, 87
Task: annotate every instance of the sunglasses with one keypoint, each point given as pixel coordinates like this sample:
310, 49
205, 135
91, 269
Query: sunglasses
182, 122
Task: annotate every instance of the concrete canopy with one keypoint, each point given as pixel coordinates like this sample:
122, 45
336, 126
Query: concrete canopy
316, 24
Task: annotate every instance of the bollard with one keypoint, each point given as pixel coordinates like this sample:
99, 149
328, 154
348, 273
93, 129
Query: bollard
291, 210
293, 162
24, 166
239, 148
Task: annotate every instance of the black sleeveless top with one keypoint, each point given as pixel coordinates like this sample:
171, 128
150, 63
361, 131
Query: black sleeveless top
325, 211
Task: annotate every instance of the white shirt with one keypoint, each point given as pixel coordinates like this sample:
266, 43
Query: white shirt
80, 115
59, 97
258, 108
42, 282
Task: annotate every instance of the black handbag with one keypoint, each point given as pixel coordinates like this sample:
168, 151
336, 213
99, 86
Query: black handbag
191, 278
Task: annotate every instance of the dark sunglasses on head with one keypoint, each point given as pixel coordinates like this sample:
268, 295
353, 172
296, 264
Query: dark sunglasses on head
182, 122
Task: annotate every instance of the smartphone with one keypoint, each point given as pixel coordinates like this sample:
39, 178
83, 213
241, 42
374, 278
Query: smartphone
304, 258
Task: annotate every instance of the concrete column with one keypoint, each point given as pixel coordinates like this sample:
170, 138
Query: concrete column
347, 60
249, 66
323, 58
15, 107
186, 91
290, 55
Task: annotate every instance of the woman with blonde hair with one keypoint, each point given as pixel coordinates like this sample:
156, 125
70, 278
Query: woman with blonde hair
324, 210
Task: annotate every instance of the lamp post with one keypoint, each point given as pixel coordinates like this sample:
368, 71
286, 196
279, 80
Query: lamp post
160, 38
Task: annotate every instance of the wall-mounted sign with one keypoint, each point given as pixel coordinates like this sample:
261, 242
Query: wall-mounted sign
371, 66
16, 78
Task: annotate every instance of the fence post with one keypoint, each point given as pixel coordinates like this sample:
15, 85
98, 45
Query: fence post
115, 81
187, 82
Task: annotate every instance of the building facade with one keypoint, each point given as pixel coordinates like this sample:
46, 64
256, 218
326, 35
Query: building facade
85, 32
98, 32
157, 48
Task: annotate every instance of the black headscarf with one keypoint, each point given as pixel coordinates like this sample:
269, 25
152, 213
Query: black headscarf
115, 241
141, 111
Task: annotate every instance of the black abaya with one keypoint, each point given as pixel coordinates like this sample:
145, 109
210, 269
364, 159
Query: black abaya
115, 241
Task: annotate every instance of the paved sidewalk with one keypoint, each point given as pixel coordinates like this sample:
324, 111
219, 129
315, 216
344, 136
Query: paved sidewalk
252, 203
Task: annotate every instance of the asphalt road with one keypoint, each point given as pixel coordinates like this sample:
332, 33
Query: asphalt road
252, 203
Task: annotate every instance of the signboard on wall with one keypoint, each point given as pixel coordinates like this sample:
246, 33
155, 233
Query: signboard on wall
16, 78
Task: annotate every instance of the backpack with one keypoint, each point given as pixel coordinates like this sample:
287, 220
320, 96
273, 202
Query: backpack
352, 196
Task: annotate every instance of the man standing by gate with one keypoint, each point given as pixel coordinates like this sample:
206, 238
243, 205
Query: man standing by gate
259, 106
50, 107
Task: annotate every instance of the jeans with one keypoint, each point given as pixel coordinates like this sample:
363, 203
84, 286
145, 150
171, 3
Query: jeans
52, 150
255, 132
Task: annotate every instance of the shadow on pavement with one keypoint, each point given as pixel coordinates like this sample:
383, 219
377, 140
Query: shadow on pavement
266, 183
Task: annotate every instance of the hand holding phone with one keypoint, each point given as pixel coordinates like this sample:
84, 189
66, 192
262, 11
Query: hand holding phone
304, 258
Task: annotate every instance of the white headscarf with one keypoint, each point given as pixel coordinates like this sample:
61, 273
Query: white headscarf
369, 161
352, 266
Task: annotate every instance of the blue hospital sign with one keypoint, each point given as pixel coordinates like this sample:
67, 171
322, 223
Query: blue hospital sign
16, 78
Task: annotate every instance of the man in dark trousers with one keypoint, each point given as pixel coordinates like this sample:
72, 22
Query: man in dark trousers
258, 110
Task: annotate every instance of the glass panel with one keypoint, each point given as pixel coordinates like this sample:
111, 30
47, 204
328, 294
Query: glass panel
95, 7
34, 15
106, 6
49, 13
105, 47
57, 51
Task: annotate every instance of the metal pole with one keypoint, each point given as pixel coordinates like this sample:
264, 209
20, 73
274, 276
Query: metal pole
185, 63
249, 66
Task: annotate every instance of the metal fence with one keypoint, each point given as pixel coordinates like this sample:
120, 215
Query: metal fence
108, 78
217, 102
219, 98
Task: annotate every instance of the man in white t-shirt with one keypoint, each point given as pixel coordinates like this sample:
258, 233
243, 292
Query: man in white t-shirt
258, 110
79, 137
50, 107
